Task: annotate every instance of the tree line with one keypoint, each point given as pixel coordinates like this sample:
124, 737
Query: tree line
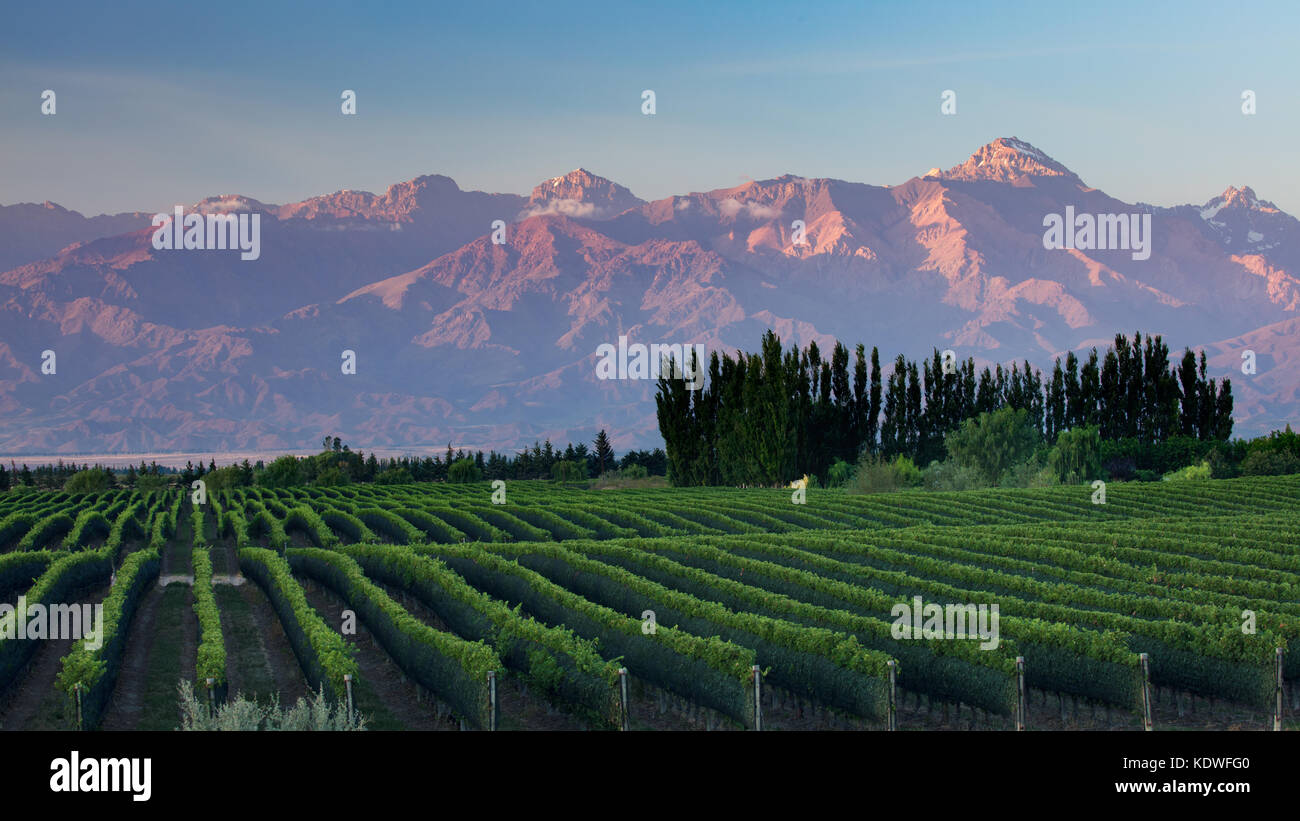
337, 464
56, 476
768, 417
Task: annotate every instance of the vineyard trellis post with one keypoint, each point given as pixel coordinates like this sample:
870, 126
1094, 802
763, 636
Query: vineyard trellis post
492, 699
1022, 706
347, 683
893, 694
622, 697
1277, 714
212, 707
77, 689
1147, 722
758, 698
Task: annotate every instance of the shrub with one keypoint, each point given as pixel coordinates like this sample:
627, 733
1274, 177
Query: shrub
839, 474
394, 476
223, 478
1030, 473
875, 475
634, 472
245, 715
1201, 471
1120, 469
1076, 457
1270, 463
87, 481
464, 471
993, 443
952, 476
150, 483
1285, 441
1221, 465
565, 471
283, 472
330, 477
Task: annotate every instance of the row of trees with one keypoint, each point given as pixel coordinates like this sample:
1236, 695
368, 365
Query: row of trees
767, 417
338, 464
57, 476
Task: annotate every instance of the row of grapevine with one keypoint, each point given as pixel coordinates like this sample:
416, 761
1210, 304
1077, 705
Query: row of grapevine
1214, 658
210, 659
711, 671
93, 672
454, 669
815, 662
551, 659
322, 653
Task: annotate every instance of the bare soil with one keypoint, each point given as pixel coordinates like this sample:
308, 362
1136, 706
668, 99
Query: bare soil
383, 693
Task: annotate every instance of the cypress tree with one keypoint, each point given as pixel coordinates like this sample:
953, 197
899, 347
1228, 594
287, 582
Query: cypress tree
1090, 392
1072, 394
986, 399
1189, 394
1135, 391
915, 421
773, 437
893, 427
1223, 412
967, 407
803, 399
1111, 410
1032, 382
1206, 403
860, 408
1056, 404
873, 409
842, 442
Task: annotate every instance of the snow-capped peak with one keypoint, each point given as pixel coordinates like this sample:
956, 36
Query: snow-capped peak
229, 203
1006, 159
580, 193
1236, 198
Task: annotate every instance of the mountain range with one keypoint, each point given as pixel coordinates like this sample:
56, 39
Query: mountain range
475, 317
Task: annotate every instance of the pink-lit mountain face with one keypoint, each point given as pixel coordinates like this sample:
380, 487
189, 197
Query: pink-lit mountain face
458, 337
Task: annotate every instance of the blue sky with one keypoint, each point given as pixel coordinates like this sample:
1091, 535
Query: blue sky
168, 103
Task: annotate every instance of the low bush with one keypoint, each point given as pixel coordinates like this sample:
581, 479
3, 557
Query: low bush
1201, 471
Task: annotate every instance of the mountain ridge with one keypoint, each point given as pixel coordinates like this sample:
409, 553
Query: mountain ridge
458, 336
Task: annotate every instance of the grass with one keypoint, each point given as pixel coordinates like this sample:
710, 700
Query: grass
244, 652
160, 710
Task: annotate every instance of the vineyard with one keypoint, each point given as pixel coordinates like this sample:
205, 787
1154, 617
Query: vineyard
534, 606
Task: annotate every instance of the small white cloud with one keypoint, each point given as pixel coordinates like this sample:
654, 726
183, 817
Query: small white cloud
730, 207
567, 208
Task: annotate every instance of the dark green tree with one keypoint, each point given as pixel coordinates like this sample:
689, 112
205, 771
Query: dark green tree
1189, 394
604, 451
